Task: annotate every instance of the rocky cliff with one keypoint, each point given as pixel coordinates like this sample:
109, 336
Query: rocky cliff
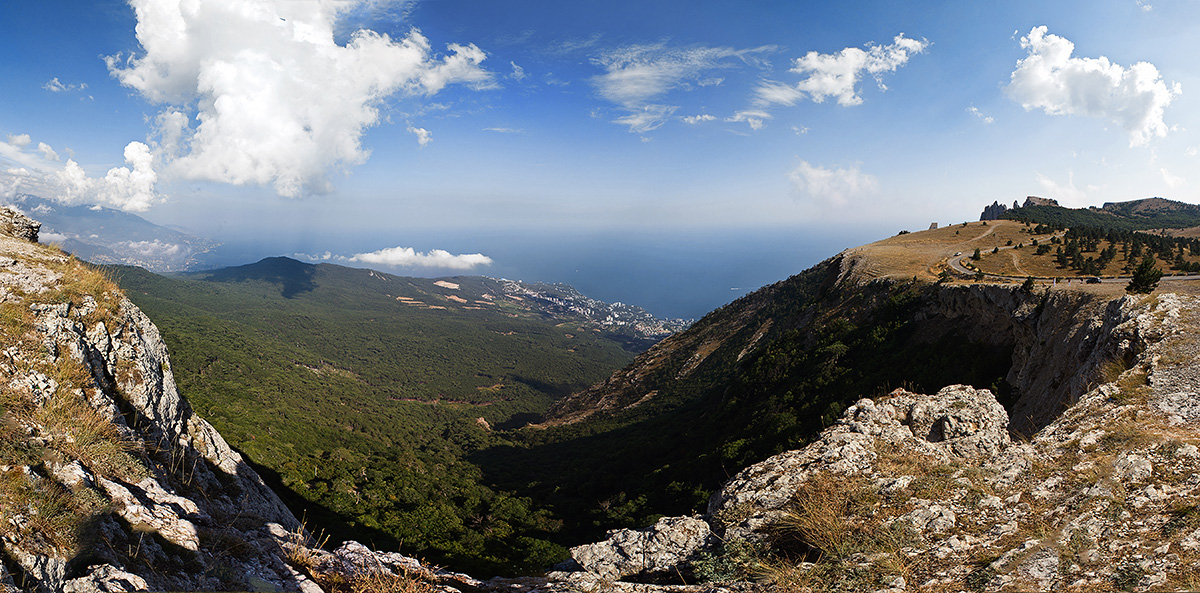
108, 479
1089, 486
1085, 480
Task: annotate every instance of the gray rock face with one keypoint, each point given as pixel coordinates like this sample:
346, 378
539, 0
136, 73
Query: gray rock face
18, 225
657, 553
160, 499
958, 423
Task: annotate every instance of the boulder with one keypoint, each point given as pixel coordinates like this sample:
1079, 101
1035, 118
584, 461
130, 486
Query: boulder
657, 553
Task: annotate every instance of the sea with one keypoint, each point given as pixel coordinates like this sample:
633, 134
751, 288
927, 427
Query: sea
672, 274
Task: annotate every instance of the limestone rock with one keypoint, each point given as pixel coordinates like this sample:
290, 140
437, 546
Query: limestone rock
659, 552
958, 423
18, 225
105, 579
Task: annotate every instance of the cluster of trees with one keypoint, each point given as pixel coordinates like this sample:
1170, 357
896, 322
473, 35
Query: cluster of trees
362, 412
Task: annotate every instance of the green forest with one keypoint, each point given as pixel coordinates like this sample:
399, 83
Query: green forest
365, 413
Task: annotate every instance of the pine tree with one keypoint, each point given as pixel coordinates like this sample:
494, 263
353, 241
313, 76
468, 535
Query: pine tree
1145, 277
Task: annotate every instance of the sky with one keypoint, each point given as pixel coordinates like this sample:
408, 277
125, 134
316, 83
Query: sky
438, 133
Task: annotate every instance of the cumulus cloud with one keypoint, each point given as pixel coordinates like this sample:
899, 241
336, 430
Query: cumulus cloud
1051, 80
128, 188
55, 86
695, 119
836, 75
424, 136
19, 140
154, 248
831, 188
637, 77
437, 258
260, 92
47, 152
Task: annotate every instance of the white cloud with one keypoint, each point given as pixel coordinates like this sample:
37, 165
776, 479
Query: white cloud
1067, 194
55, 86
831, 187
19, 140
1172, 181
637, 76
154, 248
518, 73
837, 75
695, 119
649, 117
1051, 80
47, 152
754, 118
505, 130
128, 188
261, 93
1145, 5
424, 136
987, 119
437, 258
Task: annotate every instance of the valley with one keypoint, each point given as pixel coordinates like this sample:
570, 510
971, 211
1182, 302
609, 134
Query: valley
497, 428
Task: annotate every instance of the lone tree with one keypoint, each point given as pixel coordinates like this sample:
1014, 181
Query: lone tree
975, 256
1145, 277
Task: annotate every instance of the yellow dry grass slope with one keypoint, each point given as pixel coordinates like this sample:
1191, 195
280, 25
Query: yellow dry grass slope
925, 254
1007, 248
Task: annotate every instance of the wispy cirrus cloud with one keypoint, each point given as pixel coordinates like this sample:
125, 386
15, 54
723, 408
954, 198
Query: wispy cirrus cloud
837, 75
638, 78
1051, 80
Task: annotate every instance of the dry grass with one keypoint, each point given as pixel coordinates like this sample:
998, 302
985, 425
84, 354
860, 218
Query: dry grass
372, 582
42, 513
833, 517
920, 254
300, 545
80, 280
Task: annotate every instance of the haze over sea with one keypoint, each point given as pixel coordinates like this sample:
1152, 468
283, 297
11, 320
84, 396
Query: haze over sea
679, 274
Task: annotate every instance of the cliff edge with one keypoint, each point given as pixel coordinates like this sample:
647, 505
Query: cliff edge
109, 481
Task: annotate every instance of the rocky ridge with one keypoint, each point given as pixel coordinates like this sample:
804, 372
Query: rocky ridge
111, 482
931, 493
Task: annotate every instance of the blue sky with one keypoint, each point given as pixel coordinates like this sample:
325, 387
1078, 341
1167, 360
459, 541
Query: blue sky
443, 119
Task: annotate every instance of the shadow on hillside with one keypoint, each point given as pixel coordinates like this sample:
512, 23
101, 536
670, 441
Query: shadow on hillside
292, 276
321, 521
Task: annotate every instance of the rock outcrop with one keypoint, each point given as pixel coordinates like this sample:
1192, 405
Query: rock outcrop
993, 212
109, 481
930, 492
